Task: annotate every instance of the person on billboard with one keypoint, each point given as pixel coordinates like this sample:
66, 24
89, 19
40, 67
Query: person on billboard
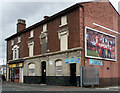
97, 45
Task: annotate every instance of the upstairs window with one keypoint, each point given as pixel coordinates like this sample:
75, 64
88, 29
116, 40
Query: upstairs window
19, 39
63, 36
43, 46
15, 52
31, 48
44, 27
12, 42
64, 42
63, 20
31, 34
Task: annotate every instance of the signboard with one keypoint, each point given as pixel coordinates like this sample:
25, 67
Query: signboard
20, 64
50, 62
15, 65
100, 45
72, 60
10, 66
95, 62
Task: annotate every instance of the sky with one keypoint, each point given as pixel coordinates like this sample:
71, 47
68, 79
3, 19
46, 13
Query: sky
32, 11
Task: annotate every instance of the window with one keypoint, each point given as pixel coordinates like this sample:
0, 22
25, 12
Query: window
15, 52
31, 34
63, 36
12, 42
31, 69
31, 48
43, 46
44, 27
58, 67
19, 39
64, 42
43, 41
63, 20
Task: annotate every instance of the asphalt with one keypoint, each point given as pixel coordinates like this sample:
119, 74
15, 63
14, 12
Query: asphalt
10, 86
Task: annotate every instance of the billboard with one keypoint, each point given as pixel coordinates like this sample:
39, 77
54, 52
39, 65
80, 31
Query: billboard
100, 45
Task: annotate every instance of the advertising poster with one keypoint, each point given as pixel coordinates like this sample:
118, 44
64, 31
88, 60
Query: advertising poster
100, 45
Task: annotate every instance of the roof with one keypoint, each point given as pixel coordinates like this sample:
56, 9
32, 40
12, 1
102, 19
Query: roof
63, 12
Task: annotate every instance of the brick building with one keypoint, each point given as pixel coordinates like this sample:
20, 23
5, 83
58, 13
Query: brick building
52, 50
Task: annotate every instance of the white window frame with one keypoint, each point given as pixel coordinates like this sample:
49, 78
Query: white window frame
15, 50
19, 39
62, 33
31, 48
31, 34
45, 28
63, 21
64, 42
12, 42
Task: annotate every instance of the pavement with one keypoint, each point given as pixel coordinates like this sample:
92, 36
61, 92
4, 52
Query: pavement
10, 86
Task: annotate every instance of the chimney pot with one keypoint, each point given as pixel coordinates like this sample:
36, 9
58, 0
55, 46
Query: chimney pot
21, 21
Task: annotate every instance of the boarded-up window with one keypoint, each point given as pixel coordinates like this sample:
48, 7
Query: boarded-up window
31, 69
64, 42
43, 45
58, 68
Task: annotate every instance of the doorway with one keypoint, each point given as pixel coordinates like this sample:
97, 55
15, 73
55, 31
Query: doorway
43, 72
14, 74
73, 74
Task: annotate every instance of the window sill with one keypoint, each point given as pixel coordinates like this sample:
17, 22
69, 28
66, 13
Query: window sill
18, 42
62, 25
16, 59
30, 37
12, 45
44, 31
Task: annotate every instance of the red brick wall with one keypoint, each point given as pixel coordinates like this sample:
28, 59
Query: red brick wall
53, 40
119, 48
9, 51
103, 14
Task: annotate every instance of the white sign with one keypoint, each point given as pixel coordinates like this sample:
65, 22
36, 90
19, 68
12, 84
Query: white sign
50, 62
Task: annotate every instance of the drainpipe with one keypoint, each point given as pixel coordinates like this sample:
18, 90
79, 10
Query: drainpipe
83, 32
81, 67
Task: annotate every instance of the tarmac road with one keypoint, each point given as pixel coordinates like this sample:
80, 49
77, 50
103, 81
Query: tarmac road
10, 86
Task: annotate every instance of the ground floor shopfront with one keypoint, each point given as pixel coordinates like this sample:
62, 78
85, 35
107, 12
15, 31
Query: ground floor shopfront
15, 71
58, 68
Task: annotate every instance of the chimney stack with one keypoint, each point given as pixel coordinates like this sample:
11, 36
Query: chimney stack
21, 24
46, 17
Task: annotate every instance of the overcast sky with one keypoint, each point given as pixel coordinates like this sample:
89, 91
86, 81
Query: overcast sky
32, 12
